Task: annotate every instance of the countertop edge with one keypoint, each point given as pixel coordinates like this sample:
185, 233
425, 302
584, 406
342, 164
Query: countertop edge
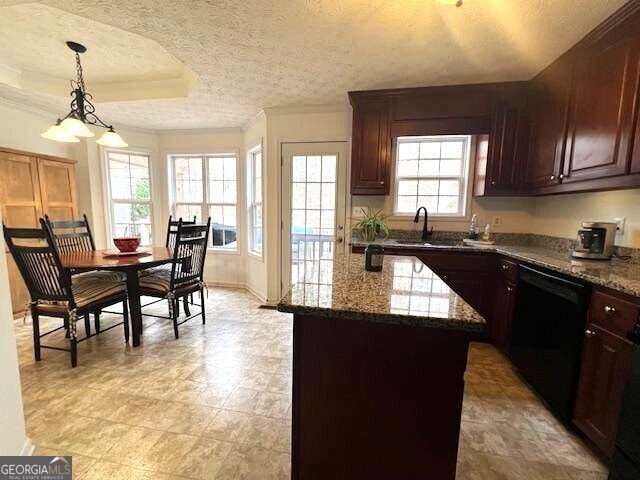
504, 250
388, 318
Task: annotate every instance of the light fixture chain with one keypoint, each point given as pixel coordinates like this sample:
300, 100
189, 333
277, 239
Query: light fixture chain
79, 72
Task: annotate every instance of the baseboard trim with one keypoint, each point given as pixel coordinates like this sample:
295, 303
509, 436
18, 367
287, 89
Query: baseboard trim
211, 283
28, 448
256, 294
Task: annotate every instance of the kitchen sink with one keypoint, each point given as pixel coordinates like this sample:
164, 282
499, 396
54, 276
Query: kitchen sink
422, 243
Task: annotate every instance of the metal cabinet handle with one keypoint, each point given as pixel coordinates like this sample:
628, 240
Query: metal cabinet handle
381, 183
561, 176
493, 182
608, 309
505, 267
589, 333
552, 177
509, 289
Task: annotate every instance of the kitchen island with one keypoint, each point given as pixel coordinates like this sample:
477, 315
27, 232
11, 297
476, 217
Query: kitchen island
378, 370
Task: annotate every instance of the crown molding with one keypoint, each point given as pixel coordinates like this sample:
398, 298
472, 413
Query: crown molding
305, 109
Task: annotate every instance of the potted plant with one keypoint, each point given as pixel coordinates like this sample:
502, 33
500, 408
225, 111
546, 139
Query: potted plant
372, 225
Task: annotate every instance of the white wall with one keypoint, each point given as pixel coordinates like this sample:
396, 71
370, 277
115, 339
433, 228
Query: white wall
13, 440
255, 133
561, 215
20, 129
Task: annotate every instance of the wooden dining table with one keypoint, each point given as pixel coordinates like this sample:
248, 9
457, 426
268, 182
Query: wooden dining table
131, 265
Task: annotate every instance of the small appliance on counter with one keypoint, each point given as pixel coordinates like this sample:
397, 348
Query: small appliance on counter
595, 241
374, 258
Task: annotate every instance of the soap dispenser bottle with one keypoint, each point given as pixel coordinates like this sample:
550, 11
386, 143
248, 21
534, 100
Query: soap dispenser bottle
473, 227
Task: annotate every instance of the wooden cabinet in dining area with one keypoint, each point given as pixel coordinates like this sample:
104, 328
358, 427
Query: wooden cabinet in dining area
32, 185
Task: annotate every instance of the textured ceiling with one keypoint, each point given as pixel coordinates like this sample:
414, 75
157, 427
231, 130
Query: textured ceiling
253, 54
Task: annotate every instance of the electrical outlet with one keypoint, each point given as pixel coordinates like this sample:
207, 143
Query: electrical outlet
496, 220
620, 228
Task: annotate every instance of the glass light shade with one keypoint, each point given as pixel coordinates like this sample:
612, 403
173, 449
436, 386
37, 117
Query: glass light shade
111, 139
76, 127
59, 134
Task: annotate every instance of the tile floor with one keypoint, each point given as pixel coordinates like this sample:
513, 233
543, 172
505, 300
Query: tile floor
216, 404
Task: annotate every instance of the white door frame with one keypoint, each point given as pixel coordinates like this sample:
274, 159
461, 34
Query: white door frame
343, 200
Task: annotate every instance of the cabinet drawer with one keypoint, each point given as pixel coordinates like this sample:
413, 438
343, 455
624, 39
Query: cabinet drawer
508, 269
612, 312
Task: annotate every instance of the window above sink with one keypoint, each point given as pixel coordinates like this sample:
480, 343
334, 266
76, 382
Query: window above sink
432, 172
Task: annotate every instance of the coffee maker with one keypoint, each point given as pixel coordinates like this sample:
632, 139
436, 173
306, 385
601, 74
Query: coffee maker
595, 240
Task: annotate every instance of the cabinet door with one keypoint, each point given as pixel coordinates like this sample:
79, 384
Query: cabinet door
503, 305
58, 189
21, 207
371, 149
473, 287
602, 116
550, 104
606, 362
508, 144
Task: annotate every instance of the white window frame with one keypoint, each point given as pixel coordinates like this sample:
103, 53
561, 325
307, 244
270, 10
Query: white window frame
463, 206
251, 201
205, 205
108, 197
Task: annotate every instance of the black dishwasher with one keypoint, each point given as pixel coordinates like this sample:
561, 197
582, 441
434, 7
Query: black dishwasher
547, 335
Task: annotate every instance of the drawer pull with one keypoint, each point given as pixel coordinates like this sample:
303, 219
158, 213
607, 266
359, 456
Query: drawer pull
590, 333
509, 289
505, 267
608, 309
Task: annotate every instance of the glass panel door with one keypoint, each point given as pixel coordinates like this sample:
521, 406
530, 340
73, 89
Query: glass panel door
313, 209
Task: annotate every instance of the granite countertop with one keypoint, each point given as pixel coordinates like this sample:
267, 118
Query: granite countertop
615, 274
406, 292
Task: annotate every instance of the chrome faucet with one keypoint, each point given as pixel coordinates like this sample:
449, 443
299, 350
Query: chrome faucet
426, 233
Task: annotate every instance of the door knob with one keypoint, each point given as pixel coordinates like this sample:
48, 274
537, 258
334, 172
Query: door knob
589, 333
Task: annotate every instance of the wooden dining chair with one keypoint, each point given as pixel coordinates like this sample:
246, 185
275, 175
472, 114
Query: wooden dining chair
185, 276
71, 236
172, 229
56, 293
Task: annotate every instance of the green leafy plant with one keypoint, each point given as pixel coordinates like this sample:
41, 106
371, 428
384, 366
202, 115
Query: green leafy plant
372, 225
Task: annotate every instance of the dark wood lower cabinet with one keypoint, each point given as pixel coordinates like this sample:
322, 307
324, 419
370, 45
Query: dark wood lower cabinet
503, 305
606, 362
375, 401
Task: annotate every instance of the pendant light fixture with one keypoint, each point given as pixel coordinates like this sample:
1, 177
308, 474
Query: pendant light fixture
82, 113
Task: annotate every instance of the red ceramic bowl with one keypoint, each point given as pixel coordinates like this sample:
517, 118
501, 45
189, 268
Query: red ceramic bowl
127, 244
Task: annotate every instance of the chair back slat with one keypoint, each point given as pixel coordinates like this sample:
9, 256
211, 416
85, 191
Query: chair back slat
189, 253
71, 236
172, 230
38, 263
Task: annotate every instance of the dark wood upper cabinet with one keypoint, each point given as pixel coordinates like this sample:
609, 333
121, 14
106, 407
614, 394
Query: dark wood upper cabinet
601, 123
549, 106
501, 155
371, 145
